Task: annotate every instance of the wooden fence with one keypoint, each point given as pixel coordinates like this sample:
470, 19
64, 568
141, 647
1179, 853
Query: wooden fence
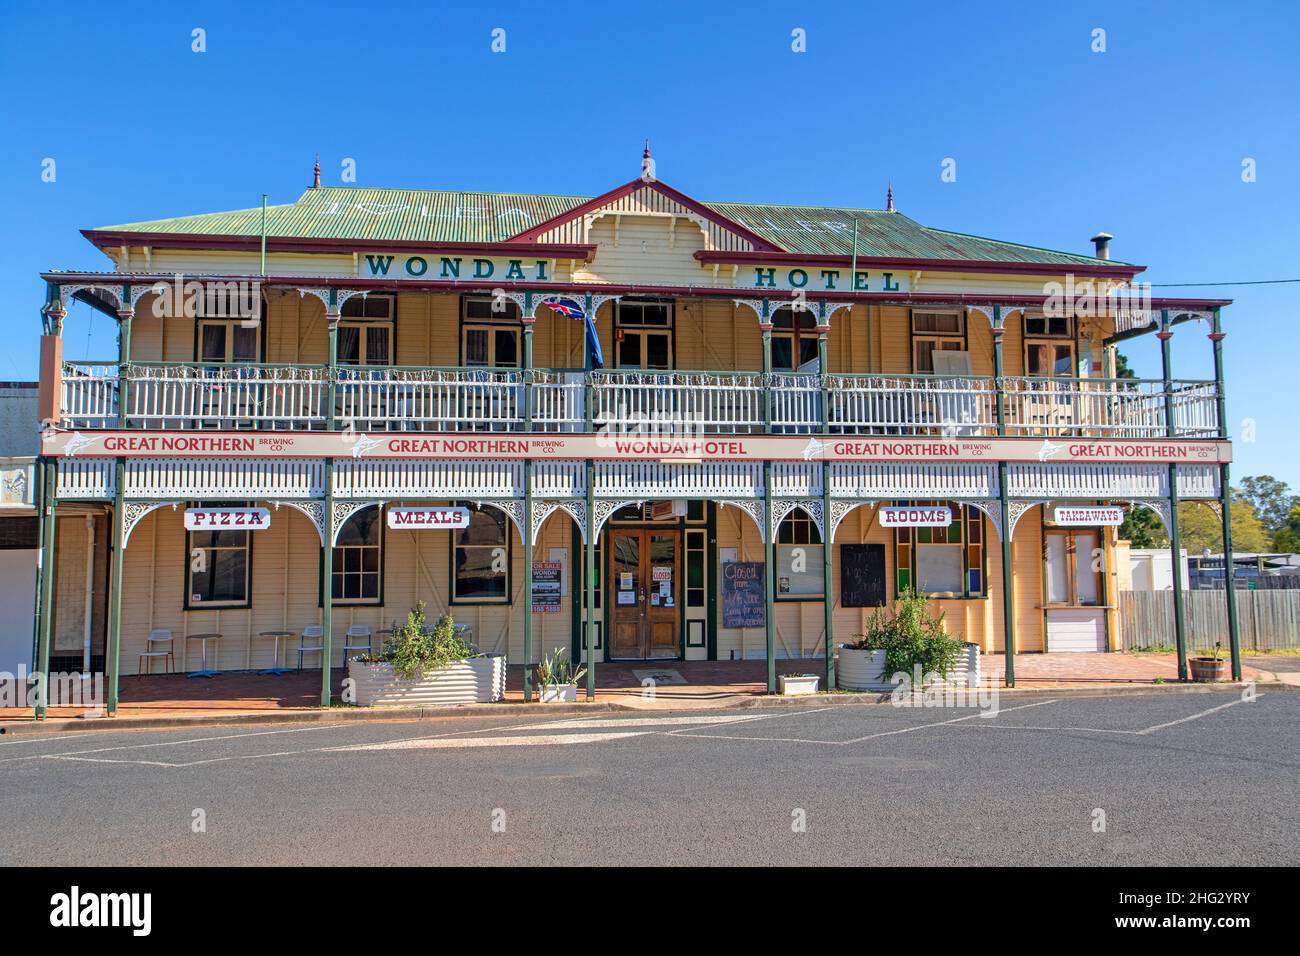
1268, 619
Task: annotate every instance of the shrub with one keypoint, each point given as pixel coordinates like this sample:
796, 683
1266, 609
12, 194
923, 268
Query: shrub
415, 649
911, 636
557, 669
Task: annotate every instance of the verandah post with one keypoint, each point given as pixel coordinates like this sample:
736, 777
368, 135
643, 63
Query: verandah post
590, 543
769, 575
765, 327
1004, 503
124, 317
327, 585
46, 611
1008, 591
331, 387
113, 654
1225, 498
528, 579
828, 603
1175, 542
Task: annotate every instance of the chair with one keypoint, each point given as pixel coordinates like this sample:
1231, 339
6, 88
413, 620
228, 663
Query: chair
312, 630
353, 641
157, 638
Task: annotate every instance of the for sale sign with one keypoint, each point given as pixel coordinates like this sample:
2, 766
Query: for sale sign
1088, 515
227, 519
432, 518
916, 516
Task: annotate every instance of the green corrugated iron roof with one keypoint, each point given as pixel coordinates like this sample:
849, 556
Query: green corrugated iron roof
429, 215
820, 230
357, 212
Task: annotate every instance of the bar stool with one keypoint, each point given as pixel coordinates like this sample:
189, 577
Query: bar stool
312, 630
158, 637
353, 640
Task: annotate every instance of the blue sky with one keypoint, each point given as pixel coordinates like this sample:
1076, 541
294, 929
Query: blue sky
1052, 141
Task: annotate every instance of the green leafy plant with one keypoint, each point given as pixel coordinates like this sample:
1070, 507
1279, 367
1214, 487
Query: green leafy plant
414, 648
558, 669
911, 636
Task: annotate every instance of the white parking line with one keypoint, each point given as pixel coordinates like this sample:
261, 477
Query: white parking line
1204, 713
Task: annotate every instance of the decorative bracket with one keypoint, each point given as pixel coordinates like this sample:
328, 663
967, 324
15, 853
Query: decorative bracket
314, 510
544, 508
754, 507
133, 512
782, 507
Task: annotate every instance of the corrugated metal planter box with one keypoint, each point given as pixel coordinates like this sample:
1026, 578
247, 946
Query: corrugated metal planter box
865, 670
862, 670
565, 692
479, 680
799, 685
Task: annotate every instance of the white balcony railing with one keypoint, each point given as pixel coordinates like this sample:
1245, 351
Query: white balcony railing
383, 398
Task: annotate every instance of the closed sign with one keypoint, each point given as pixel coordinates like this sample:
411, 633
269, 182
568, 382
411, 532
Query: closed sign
1088, 516
915, 517
436, 518
227, 519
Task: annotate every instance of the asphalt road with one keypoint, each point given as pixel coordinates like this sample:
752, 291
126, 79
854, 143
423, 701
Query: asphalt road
1181, 778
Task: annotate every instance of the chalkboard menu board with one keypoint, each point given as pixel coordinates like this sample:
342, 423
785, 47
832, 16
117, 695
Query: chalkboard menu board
743, 602
862, 575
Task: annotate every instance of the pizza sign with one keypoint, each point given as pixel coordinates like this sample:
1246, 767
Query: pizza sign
227, 519
452, 519
915, 517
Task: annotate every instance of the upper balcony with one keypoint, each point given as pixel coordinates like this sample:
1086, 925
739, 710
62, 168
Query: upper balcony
390, 398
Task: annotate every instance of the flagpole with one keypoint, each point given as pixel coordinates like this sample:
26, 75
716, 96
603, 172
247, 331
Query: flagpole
263, 233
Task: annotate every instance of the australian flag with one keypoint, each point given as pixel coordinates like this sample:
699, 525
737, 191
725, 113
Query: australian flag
570, 309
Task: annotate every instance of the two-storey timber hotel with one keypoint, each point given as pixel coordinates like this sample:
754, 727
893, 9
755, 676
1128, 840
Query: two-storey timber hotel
682, 430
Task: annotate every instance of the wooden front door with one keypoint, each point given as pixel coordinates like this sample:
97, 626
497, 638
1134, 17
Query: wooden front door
644, 574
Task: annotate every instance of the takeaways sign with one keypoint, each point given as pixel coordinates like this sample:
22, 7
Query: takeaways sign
1088, 516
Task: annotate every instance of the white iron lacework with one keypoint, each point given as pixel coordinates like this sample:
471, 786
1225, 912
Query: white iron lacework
343, 510
1159, 505
314, 510
754, 507
133, 512
66, 292
991, 508
782, 507
607, 506
513, 509
1017, 510
544, 508
756, 304
841, 508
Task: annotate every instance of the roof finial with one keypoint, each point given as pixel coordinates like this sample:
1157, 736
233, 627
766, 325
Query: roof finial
889, 199
316, 180
647, 164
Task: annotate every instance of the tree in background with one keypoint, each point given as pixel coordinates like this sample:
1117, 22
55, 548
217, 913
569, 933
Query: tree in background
1272, 500
1122, 369
1200, 529
1142, 528
1287, 539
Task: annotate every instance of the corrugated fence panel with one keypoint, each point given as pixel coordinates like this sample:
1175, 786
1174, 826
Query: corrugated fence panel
1269, 620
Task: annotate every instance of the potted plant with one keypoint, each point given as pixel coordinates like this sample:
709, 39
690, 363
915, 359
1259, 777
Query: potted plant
1206, 670
798, 685
423, 665
556, 678
912, 637
862, 660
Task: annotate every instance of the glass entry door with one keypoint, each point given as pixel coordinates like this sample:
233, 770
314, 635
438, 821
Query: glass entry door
643, 594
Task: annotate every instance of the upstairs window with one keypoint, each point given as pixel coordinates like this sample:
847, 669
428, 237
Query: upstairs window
937, 332
366, 330
359, 559
489, 336
1049, 346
